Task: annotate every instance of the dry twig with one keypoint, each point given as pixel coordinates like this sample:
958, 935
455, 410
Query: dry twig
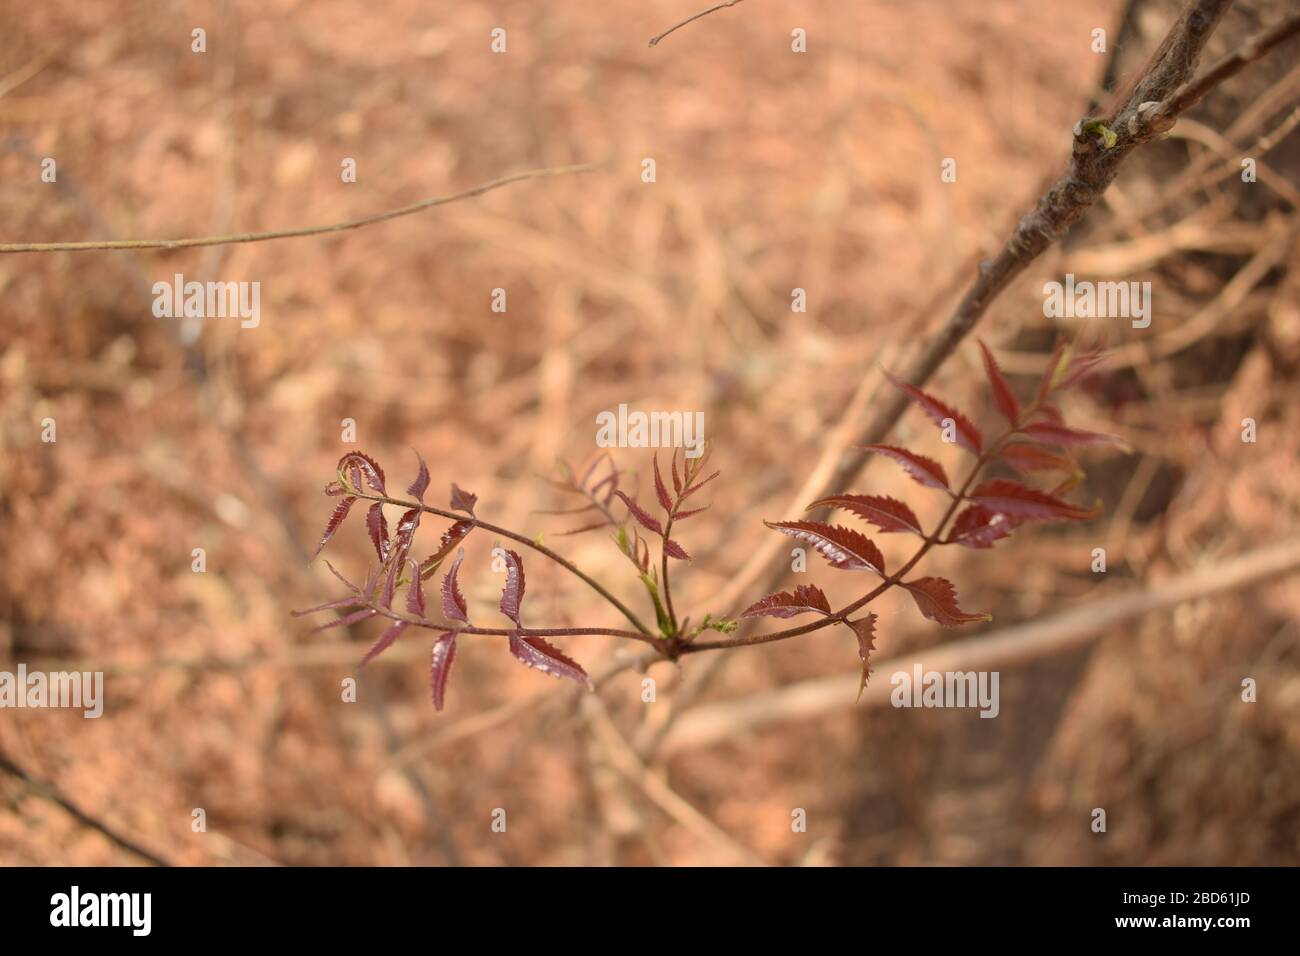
52, 793
296, 232
703, 13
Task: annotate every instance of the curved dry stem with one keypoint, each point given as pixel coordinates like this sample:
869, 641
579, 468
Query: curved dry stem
461, 628
296, 232
529, 543
691, 19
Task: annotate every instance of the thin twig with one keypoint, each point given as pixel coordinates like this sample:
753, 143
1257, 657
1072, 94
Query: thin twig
1191, 93
691, 19
624, 759
1228, 299
297, 232
52, 793
27, 71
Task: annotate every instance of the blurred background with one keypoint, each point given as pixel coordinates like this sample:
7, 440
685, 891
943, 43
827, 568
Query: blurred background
774, 171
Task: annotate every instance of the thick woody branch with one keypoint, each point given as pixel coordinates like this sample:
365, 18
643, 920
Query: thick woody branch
1093, 167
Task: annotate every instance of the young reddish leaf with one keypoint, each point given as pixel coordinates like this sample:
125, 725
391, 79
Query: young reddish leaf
1030, 458
1019, 501
1068, 485
404, 536
359, 461
512, 595
591, 470
887, 514
612, 480
595, 525
372, 580
392, 571
937, 600
399, 548
698, 485
462, 500
978, 527
450, 538
675, 550
1003, 397
381, 645
328, 606
637, 551
350, 586
535, 652
677, 482
844, 548
965, 432
1050, 433
924, 470
377, 525
661, 492
1049, 412
683, 515
647, 520
335, 488
453, 602
1056, 366
444, 652
865, 629
692, 466
1081, 366
340, 512
421, 482
806, 597
415, 591
581, 509
347, 620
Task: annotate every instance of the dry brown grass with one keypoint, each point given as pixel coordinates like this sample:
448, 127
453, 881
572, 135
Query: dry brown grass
774, 171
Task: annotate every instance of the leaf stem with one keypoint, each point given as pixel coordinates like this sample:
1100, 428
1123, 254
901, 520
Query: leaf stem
668, 591
450, 626
843, 613
527, 542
